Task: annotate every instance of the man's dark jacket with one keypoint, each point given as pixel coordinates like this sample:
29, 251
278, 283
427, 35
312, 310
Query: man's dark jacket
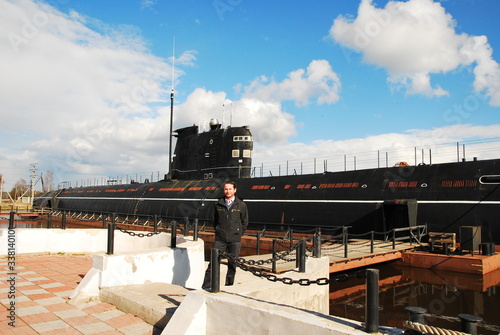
230, 223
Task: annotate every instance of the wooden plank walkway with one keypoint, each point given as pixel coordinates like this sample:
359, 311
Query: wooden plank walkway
358, 255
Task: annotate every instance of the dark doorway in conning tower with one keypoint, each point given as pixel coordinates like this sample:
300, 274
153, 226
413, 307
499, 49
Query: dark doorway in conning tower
399, 213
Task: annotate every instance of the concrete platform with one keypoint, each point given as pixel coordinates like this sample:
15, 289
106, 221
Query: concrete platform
154, 303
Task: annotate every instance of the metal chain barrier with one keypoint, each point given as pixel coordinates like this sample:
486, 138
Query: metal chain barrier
246, 266
132, 233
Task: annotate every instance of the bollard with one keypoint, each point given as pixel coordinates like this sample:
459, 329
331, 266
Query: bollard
273, 269
372, 300
63, 220
195, 230
317, 245
345, 241
416, 314
372, 241
445, 248
11, 220
291, 239
393, 239
49, 221
301, 256
258, 243
155, 224
215, 271
173, 235
469, 323
111, 235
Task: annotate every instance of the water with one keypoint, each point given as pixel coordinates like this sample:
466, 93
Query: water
443, 294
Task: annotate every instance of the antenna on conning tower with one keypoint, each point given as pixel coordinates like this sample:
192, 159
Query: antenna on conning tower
223, 114
171, 111
231, 115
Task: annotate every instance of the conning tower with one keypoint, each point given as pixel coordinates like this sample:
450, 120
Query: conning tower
223, 153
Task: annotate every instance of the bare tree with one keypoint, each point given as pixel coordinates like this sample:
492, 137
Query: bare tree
48, 181
19, 189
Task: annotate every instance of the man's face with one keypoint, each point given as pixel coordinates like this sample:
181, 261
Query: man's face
229, 190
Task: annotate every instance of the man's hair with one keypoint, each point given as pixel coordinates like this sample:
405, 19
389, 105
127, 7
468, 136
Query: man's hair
231, 182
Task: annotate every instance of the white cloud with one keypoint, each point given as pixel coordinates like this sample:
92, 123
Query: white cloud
413, 40
318, 82
187, 58
72, 98
148, 3
268, 122
82, 99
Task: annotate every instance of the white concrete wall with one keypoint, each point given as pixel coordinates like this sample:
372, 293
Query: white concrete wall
183, 265
313, 297
31, 240
259, 306
135, 260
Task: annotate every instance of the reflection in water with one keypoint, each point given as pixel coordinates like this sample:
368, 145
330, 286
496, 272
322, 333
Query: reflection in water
18, 225
443, 294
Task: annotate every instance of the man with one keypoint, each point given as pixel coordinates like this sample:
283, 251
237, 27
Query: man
230, 220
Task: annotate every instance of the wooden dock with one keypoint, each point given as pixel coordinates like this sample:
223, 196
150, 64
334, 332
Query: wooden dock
358, 255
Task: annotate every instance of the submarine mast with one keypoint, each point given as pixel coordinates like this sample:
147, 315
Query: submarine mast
171, 112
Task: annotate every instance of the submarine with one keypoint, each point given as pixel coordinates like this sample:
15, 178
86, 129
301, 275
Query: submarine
445, 196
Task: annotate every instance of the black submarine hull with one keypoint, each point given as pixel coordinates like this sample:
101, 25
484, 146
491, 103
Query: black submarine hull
443, 196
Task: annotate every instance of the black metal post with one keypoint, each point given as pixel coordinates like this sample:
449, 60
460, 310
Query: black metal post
273, 270
345, 241
111, 236
155, 224
416, 314
173, 235
372, 301
186, 226
469, 323
372, 242
195, 230
317, 245
63, 220
49, 220
11, 220
393, 239
215, 271
301, 256
258, 242
291, 239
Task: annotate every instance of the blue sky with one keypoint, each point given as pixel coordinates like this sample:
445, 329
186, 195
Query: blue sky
85, 84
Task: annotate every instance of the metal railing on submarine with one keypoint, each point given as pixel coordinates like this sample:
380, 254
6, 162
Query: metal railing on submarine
333, 236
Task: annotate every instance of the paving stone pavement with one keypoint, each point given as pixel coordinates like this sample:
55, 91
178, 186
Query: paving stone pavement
42, 285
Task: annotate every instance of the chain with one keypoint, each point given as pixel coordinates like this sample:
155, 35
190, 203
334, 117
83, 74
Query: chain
132, 233
247, 266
